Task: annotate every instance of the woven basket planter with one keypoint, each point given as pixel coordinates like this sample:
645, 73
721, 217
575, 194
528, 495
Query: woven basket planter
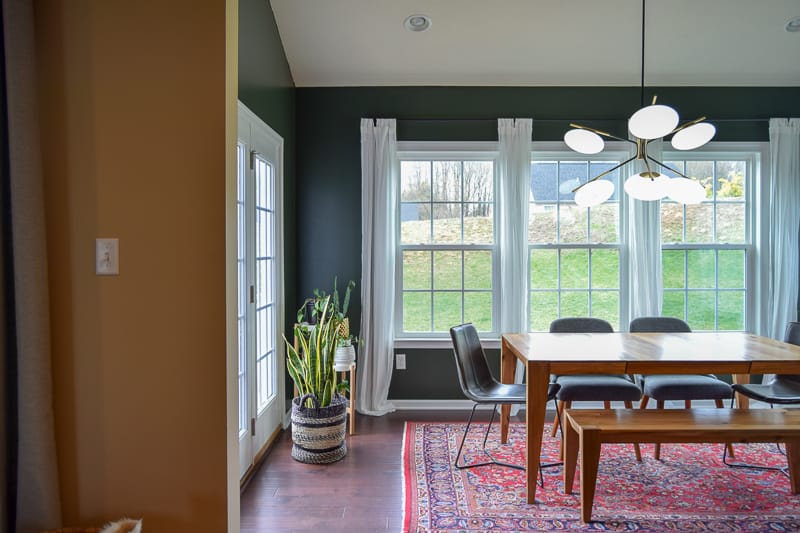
318, 432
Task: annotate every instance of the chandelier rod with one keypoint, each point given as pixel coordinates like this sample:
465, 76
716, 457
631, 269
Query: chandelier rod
641, 94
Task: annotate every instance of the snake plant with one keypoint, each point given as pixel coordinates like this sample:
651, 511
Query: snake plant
311, 363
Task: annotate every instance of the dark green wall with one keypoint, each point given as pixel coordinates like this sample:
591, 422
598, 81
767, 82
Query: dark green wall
267, 88
329, 164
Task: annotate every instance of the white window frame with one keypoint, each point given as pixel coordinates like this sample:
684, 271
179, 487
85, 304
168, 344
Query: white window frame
756, 157
445, 151
757, 154
615, 151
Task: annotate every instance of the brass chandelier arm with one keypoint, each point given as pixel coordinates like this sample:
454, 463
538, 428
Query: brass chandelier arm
609, 171
662, 165
684, 126
599, 132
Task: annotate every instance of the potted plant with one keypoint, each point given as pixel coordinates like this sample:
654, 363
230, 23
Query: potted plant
319, 411
345, 353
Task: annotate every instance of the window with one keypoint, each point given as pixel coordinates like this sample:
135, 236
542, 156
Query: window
574, 251
447, 252
706, 248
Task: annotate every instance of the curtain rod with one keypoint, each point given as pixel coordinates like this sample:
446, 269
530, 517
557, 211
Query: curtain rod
571, 119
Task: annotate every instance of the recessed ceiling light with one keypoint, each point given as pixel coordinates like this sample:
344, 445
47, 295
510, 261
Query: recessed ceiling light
793, 25
417, 22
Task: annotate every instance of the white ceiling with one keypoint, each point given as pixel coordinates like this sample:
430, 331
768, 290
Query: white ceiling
540, 42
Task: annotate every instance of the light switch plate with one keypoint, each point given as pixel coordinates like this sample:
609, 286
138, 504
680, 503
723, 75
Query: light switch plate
400, 361
106, 257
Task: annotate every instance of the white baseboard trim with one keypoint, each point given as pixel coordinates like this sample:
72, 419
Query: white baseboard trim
451, 405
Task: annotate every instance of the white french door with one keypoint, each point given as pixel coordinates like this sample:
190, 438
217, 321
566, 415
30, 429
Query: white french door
259, 206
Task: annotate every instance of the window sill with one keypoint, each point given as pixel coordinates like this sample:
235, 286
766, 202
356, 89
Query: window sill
439, 344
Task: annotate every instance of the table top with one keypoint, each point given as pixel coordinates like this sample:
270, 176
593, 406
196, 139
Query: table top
633, 353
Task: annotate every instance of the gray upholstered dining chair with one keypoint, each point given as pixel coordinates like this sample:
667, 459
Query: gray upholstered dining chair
686, 387
783, 389
592, 387
479, 385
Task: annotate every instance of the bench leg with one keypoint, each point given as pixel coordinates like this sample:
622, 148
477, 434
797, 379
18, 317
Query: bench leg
657, 454
590, 459
636, 449
571, 440
793, 458
728, 445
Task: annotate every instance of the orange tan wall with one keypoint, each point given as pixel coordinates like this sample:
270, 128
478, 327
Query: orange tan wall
132, 102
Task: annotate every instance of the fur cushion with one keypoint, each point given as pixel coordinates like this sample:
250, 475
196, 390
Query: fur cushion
126, 525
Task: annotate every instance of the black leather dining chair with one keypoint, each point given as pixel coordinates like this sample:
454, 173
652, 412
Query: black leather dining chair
479, 385
686, 387
592, 387
783, 389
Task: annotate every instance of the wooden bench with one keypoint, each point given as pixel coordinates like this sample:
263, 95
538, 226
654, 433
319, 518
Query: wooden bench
588, 429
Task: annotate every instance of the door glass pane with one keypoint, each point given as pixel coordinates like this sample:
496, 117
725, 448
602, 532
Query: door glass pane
264, 283
242, 287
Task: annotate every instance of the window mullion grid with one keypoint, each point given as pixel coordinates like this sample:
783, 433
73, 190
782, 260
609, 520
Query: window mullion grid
433, 286
590, 281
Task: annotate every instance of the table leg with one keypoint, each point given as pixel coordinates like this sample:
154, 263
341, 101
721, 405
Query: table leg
570, 453
507, 367
742, 402
536, 403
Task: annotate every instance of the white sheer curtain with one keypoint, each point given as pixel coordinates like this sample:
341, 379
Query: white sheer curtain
644, 247
784, 224
378, 234
514, 178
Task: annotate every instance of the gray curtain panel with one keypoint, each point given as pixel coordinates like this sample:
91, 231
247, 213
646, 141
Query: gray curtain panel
30, 469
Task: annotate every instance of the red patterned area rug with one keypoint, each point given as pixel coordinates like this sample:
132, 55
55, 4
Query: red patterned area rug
688, 490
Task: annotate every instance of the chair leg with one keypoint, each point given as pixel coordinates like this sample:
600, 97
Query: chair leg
636, 449
784, 471
567, 405
557, 421
492, 460
657, 454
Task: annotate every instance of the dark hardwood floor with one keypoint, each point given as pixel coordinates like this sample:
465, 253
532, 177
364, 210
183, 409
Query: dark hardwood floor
360, 493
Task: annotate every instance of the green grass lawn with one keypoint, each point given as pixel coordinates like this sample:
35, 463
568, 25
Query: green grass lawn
433, 280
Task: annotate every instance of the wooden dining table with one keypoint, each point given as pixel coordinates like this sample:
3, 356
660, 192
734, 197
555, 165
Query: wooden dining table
543, 354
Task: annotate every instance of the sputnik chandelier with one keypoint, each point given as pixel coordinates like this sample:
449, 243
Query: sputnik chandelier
648, 124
